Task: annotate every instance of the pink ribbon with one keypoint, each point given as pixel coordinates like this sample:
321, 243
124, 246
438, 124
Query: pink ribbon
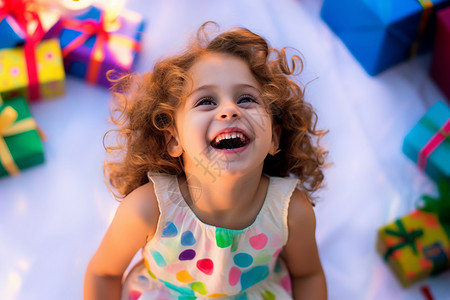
436, 140
21, 11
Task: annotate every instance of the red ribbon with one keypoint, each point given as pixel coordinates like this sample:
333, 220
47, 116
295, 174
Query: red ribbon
14, 8
89, 28
24, 15
426, 292
436, 140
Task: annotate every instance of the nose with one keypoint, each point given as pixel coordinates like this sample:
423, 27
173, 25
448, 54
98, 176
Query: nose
229, 112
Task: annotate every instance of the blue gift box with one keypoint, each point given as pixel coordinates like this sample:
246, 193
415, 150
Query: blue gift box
11, 34
383, 33
431, 134
18, 17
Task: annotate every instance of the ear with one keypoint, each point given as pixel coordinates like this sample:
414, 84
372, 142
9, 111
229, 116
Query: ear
173, 144
276, 136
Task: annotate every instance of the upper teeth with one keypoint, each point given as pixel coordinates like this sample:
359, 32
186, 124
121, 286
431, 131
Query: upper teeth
230, 135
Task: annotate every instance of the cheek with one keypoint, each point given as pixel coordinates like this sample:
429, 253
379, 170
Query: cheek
194, 124
263, 125
264, 134
191, 127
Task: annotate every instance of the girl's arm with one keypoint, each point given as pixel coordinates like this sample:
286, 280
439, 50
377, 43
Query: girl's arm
300, 252
133, 224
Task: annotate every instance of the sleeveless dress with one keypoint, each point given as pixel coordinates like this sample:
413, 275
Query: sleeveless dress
189, 259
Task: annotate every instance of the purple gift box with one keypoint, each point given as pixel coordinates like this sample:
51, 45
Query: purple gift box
92, 46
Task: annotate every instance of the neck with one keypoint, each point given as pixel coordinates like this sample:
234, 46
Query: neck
222, 201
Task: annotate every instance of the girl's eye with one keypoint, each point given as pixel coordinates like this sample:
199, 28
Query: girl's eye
247, 99
205, 101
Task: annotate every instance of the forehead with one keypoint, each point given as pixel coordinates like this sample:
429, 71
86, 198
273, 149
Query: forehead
221, 69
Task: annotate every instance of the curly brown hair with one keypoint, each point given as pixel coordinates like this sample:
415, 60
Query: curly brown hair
146, 106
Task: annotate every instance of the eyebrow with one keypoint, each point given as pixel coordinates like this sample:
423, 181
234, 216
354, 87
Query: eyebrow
212, 86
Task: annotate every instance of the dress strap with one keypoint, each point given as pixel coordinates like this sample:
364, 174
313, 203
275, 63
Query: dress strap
279, 197
167, 191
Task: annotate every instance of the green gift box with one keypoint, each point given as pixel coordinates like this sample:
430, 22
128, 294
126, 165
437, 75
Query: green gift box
20, 144
418, 244
428, 142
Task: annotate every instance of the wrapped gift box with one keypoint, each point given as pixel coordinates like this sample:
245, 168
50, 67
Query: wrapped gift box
10, 33
20, 145
415, 246
17, 17
381, 34
440, 60
92, 46
14, 71
428, 143
418, 245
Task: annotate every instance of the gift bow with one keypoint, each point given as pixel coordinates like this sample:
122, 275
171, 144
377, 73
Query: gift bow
440, 137
439, 206
19, 10
89, 28
408, 238
8, 127
23, 12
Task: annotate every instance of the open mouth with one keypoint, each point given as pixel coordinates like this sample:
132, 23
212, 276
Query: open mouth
230, 140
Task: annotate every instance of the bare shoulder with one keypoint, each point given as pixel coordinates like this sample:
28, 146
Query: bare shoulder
300, 212
142, 201
136, 218
133, 225
300, 251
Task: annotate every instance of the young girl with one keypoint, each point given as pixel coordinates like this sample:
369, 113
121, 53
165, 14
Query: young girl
218, 156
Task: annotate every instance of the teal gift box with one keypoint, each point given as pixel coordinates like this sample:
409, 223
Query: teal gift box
383, 33
428, 143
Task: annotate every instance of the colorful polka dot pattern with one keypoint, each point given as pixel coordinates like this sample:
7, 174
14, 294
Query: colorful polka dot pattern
247, 271
192, 259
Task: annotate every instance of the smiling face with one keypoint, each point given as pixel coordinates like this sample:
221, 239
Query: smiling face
222, 127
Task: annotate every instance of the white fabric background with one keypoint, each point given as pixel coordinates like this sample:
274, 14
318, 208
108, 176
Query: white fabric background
53, 216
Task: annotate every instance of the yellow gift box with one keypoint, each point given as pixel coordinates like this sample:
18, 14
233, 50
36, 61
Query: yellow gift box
14, 74
415, 246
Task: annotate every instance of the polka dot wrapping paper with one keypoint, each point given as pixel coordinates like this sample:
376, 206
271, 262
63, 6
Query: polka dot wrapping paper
415, 246
14, 80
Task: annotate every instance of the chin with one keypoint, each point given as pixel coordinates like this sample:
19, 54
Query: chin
238, 170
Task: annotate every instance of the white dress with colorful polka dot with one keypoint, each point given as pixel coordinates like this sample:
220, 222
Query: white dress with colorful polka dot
188, 259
